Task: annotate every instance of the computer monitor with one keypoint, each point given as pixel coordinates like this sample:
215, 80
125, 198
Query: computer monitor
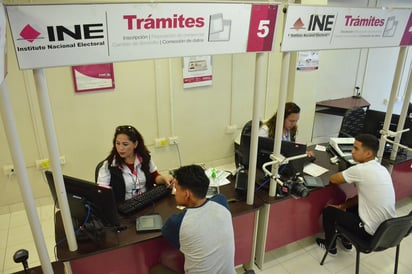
293, 167
265, 149
375, 119
80, 192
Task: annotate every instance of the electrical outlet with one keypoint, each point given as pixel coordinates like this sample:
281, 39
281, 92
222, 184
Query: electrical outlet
160, 142
230, 129
8, 170
42, 164
173, 140
45, 163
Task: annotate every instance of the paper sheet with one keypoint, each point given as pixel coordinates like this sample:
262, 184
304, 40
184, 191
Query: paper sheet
220, 179
314, 169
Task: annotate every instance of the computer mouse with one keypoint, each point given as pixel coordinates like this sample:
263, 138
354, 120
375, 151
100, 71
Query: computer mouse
311, 159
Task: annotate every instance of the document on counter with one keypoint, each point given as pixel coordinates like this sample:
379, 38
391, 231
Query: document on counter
314, 170
219, 179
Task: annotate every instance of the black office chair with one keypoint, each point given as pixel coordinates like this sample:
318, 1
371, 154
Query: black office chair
389, 234
353, 122
96, 171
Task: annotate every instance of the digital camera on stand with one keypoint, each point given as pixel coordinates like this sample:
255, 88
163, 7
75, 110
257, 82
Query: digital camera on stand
293, 186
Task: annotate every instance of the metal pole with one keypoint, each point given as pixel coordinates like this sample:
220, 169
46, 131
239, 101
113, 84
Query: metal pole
392, 98
280, 118
257, 103
402, 116
51, 139
23, 178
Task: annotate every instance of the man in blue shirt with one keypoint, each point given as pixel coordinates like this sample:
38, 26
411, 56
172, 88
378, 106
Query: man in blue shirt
203, 231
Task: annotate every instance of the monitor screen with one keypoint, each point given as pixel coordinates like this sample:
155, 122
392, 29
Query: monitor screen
293, 167
265, 149
81, 192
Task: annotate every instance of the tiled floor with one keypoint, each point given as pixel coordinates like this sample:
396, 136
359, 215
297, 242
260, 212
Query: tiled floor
304, 257
299, 257
15, 234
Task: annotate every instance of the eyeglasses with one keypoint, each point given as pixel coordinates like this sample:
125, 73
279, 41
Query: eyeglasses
126, 129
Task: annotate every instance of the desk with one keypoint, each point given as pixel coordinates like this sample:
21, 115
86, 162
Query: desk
286, 220
132, 252
340, 106
326, 126
401, 177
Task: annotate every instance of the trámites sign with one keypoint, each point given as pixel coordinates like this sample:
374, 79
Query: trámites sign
91, 34
314, 28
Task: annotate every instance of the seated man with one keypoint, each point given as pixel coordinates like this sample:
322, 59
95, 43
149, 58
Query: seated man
203, 231
374, 203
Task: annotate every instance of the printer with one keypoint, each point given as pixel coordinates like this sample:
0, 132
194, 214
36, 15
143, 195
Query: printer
342, 147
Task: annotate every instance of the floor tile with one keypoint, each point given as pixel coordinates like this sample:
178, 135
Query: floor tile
5, 221
19, 235
18, 218
4, 233
278, 269
304, 263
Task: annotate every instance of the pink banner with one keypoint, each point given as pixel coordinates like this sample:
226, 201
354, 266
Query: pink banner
262, 28
407, 35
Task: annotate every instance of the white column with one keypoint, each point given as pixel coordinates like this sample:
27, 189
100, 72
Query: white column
392, 98
257, 103
23, 178
50, 133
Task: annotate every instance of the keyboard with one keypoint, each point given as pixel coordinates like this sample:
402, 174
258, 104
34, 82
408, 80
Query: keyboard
144, 199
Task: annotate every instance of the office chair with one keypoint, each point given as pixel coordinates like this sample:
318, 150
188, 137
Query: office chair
96, 171
353, 122
389, 234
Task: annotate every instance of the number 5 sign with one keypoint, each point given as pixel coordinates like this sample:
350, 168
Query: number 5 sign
262, 28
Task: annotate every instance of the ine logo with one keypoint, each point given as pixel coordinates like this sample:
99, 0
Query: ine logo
29, 34
298, 24
60, 33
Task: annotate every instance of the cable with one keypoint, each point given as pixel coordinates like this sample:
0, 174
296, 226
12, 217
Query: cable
178, 152
267, 180
76, 232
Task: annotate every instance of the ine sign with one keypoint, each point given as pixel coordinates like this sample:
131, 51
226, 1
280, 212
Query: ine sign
91, 34
314, 28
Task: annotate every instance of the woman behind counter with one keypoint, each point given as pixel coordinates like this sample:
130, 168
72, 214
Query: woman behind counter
290, 119
129, 169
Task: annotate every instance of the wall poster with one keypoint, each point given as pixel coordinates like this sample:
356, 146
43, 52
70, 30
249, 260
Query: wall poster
93, 77
197, 71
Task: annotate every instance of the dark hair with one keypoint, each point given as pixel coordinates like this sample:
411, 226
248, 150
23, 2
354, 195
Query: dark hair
290, 108
193, 177
141, 150
369, 142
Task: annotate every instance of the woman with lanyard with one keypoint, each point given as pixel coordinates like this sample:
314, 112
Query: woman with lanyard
129, 169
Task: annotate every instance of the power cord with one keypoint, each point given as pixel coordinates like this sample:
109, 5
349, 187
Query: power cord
178, 152
267, 180
76, 232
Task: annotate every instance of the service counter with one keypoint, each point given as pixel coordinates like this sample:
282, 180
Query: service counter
285, 220
401, 177
130, 252
289, 219
268, 224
